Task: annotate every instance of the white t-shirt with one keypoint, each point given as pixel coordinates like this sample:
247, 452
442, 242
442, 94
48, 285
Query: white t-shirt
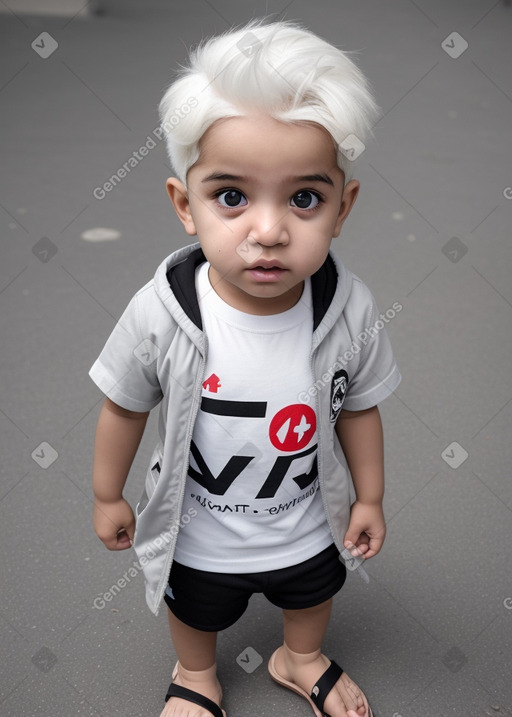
253, 476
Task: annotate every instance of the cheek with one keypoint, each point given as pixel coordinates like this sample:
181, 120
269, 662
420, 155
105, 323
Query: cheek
210, 224
315, 244
318, 233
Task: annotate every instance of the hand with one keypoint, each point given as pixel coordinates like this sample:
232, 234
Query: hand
114, 523
366, 529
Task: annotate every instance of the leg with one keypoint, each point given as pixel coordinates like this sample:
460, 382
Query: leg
300, 661
195, 648
196, 669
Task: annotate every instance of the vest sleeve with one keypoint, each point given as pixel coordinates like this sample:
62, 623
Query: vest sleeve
126, 369
377, 374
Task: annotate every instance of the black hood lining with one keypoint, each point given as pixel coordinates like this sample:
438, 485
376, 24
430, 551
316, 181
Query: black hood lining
323, 287
182, 280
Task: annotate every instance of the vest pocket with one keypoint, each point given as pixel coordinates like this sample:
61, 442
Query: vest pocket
152, 477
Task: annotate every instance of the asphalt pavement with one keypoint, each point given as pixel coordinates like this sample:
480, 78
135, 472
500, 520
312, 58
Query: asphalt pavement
429, 633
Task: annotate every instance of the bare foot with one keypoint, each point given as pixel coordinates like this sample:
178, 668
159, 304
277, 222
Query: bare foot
204, 682
344, 700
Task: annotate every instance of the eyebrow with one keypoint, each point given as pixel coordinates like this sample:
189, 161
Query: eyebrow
219, 176
314, 178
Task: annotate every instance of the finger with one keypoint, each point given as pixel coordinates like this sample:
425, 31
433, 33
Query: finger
120, 546
355, 537
123, 539
359, 549
363, 542
130, 530
111, 543
116, 541
352, 536
374, 547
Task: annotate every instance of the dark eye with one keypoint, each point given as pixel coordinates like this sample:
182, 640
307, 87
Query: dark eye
231, 198
305, 200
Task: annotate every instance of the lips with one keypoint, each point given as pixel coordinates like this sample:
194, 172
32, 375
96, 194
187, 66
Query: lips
267, 265
267, 272
267, 269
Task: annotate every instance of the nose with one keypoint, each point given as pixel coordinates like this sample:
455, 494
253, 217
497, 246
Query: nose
269, 226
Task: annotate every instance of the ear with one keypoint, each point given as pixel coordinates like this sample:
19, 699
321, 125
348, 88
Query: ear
179, 197
350, 192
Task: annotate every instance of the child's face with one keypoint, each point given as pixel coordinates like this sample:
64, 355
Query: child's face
265, 199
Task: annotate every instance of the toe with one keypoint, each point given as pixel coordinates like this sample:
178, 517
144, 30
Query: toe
346, 700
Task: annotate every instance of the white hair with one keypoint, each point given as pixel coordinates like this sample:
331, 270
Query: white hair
279, 68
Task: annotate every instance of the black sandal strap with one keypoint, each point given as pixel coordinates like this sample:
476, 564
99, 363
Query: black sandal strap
325, 684
185, 694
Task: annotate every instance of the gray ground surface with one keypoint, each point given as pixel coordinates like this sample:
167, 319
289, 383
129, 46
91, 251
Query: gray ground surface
430, 634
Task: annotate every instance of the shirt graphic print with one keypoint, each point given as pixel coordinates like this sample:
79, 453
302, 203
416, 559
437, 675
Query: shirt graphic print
253, 475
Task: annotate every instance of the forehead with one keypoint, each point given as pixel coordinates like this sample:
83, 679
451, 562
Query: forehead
259, 145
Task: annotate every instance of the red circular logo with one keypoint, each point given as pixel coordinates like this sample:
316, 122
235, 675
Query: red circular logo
292, 427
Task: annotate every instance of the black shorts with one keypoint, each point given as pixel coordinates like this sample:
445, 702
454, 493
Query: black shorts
214, 601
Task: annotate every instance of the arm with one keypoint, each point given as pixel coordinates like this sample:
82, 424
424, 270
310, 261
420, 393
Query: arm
360, 436
118, 435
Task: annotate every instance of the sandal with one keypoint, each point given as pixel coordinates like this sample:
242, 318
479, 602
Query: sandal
320, 689
195, 697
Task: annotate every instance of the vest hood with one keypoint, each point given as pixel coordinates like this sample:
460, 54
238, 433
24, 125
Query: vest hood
175, 284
